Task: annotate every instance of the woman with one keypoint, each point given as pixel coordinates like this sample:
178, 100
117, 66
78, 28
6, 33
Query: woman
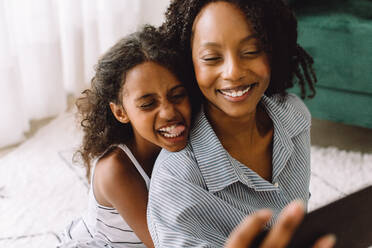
250, 145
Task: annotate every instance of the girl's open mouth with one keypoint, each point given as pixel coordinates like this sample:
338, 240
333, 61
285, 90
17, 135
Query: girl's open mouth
172, 131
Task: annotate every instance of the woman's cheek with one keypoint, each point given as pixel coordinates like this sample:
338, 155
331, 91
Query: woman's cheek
205, 75
262, 66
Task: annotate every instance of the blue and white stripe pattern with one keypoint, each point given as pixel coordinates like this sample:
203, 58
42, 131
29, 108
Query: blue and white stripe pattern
198, 195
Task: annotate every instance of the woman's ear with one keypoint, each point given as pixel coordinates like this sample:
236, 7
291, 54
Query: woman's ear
119, 113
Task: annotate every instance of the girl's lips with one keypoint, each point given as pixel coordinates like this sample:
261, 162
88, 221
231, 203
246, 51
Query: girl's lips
180, 138
174, 133
173, 129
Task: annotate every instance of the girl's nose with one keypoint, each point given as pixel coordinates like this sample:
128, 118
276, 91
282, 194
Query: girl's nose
232, 69
167, 111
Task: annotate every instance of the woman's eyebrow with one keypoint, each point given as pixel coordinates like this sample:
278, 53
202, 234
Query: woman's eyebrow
210, 44
248, 38
215, 44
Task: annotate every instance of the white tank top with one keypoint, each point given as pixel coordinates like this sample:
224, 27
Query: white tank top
101, 226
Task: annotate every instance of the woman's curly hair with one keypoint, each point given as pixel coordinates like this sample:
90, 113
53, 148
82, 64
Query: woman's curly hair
276, 26
100, 127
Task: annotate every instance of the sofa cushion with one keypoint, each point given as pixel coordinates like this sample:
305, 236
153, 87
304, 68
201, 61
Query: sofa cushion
338, 34
341, 45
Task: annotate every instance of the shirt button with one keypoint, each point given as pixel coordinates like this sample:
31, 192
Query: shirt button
276, 184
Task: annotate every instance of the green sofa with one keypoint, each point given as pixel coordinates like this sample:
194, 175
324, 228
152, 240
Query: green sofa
338, 34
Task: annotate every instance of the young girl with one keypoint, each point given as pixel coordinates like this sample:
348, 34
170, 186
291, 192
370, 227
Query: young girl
250, 145
136, 105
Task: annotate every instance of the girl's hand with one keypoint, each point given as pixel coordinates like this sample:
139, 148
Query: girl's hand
279, 235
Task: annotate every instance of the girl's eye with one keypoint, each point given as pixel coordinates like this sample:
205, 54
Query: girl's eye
178, 97
147, 106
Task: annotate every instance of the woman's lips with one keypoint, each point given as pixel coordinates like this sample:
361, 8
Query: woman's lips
238, 94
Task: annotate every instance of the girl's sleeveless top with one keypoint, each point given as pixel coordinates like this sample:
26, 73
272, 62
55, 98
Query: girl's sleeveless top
102, 226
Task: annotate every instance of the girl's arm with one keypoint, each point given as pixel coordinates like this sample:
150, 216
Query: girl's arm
118, 184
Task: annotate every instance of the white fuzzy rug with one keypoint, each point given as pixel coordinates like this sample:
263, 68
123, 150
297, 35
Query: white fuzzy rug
41, 191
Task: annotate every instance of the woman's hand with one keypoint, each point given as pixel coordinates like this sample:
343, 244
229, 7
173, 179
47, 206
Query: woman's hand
279, 235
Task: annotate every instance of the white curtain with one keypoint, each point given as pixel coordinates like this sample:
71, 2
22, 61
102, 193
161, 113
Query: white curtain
48, 49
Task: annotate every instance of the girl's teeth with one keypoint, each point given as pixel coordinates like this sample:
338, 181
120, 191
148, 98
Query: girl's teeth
167, 129
172, 131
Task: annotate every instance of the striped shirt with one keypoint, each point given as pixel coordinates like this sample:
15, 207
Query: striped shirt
199, 194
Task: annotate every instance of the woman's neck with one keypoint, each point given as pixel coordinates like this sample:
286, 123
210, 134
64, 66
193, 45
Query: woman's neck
240, 129
224, 125
247, 139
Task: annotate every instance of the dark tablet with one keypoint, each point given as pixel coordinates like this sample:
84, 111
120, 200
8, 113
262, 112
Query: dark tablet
349, 218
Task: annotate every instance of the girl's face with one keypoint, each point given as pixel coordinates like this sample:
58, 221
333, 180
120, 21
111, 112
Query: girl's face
157, 106
231, 69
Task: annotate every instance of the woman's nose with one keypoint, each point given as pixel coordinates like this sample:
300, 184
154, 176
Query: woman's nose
232, 69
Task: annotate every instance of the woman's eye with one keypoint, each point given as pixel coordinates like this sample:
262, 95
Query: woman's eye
251, 53
211, 59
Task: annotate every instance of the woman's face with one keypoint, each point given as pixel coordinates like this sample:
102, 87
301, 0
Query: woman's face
157, 106
231, 69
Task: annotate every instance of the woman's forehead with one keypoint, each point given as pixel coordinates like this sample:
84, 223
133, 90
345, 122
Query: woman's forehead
220, 20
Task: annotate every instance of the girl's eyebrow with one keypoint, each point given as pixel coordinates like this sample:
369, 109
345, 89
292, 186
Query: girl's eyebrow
177, 86
145, 96
154, 95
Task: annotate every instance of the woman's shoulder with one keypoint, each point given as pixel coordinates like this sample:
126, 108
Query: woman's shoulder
181, 165
291, 105
299, 105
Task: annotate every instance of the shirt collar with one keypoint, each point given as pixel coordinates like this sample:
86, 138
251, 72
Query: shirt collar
213, 159
284, 115
288, 122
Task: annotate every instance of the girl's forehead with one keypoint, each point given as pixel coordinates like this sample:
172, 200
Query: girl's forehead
148, 77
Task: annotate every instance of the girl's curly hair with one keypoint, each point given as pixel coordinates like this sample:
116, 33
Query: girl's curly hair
100, 127
276, 26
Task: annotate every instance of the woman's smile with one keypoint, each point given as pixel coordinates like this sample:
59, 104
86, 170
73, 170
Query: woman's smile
237, 94
232, 70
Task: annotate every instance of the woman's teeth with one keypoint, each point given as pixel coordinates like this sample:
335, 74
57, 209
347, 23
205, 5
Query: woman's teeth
235, 93
170, 135
172, 131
